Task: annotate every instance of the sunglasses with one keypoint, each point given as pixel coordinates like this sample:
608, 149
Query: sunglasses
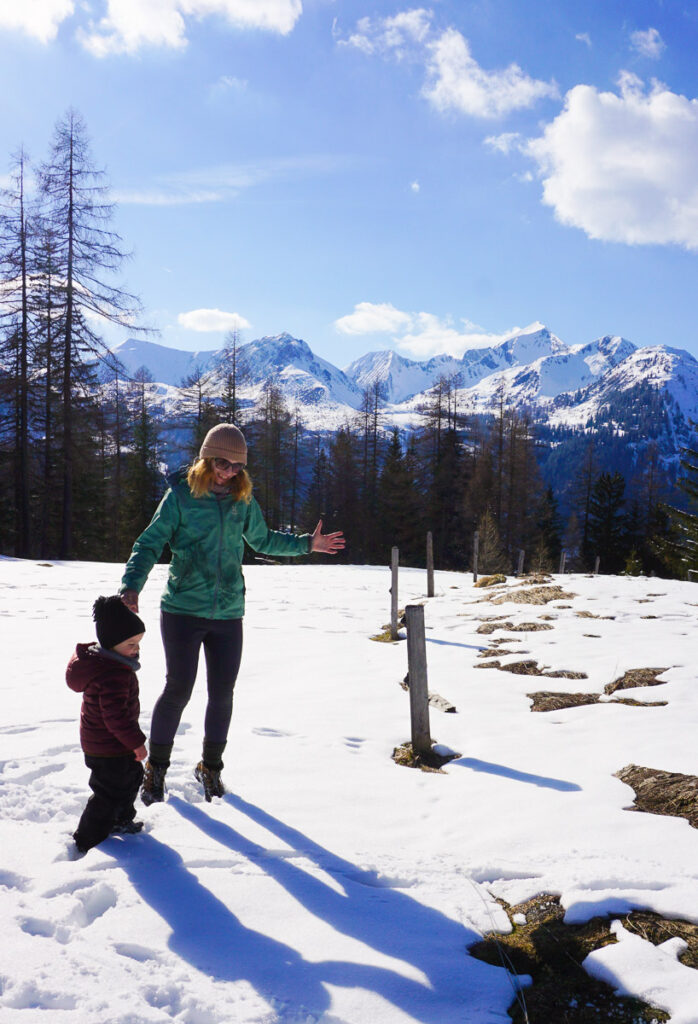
223, 465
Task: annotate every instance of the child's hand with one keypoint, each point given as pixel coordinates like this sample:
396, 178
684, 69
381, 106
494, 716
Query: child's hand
140, 753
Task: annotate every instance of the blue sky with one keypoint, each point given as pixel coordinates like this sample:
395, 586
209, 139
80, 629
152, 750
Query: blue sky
381, 175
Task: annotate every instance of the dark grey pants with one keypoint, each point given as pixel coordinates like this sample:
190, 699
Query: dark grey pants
183, 637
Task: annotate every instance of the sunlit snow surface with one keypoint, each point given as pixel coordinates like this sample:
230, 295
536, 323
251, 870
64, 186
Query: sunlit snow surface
331, 885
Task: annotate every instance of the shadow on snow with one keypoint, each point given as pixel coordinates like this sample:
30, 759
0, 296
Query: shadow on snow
207, 934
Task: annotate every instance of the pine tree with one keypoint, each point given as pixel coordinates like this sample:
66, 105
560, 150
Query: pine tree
679, 548
607, 524
492, 557
88, 253
15, 335
142, 486
399, 521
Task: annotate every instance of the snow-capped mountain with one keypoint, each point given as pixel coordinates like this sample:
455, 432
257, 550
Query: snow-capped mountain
167, 365
529, 368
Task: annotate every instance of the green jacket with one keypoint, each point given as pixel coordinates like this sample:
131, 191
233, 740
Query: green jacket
206, 539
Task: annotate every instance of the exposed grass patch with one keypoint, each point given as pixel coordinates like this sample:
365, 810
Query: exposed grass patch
658, 792
385, 637
431, 762
545, 700
533, 595
491, 581
535, 579
530, 668
552, 952
520, 627
591, 615
636, 677
496, 652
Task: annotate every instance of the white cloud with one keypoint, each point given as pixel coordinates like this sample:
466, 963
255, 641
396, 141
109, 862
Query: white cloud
373, 318
584, 37
222, 182
395, 35
38, 18
622, 166
648, 44
130, 25
211, 320
415, 186
228, 84
505, 143
165, 197
420, 335
457, 82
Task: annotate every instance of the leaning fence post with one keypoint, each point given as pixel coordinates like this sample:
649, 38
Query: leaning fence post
563, 559
519, 570
394, 559
417, 674
430, 565
476, 545
596, 566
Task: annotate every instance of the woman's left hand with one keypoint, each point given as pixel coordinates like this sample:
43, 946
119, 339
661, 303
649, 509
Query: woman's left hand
326, 543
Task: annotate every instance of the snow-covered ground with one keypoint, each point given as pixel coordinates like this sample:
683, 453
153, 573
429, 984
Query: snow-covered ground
331, 885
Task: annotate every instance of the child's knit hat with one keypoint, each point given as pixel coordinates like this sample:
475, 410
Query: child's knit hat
115, 622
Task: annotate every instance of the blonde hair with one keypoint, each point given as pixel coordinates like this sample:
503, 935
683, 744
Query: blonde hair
200, 480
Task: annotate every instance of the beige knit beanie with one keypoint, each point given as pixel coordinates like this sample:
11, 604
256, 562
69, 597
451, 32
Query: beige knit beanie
224, 441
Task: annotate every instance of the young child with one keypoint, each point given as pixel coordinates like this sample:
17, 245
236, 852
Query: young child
112, 741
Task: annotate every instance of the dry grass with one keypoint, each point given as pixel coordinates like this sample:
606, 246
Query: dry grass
530, 668
491, 581
533, 595
552, 953
545, 700
385, 637
535, 579
590, 615
636, 677
658, 792
520, 627
496, 652
431, 762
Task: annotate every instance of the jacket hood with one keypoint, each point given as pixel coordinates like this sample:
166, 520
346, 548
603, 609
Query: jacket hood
88, 663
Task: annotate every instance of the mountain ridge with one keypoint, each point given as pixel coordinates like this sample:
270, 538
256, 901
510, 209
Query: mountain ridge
531, 368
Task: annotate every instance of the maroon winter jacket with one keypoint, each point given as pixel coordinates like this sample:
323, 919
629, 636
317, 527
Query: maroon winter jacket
110, 707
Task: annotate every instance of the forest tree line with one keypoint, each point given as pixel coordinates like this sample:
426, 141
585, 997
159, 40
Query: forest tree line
82, 454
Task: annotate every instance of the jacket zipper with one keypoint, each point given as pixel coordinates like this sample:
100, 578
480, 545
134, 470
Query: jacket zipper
220, 552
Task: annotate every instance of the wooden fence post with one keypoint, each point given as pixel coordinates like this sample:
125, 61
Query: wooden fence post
394, 560
430, 565
597, 563
476, 545
522, 554
563, 559
417, 670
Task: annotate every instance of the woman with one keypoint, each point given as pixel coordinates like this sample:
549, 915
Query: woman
204, 517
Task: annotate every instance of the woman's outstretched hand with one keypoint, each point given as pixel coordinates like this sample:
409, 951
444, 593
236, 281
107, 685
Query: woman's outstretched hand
326, 543
130, 599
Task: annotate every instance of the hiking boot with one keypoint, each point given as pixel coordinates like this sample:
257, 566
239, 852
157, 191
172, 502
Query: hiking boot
210, 779
127, 828
153, 788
